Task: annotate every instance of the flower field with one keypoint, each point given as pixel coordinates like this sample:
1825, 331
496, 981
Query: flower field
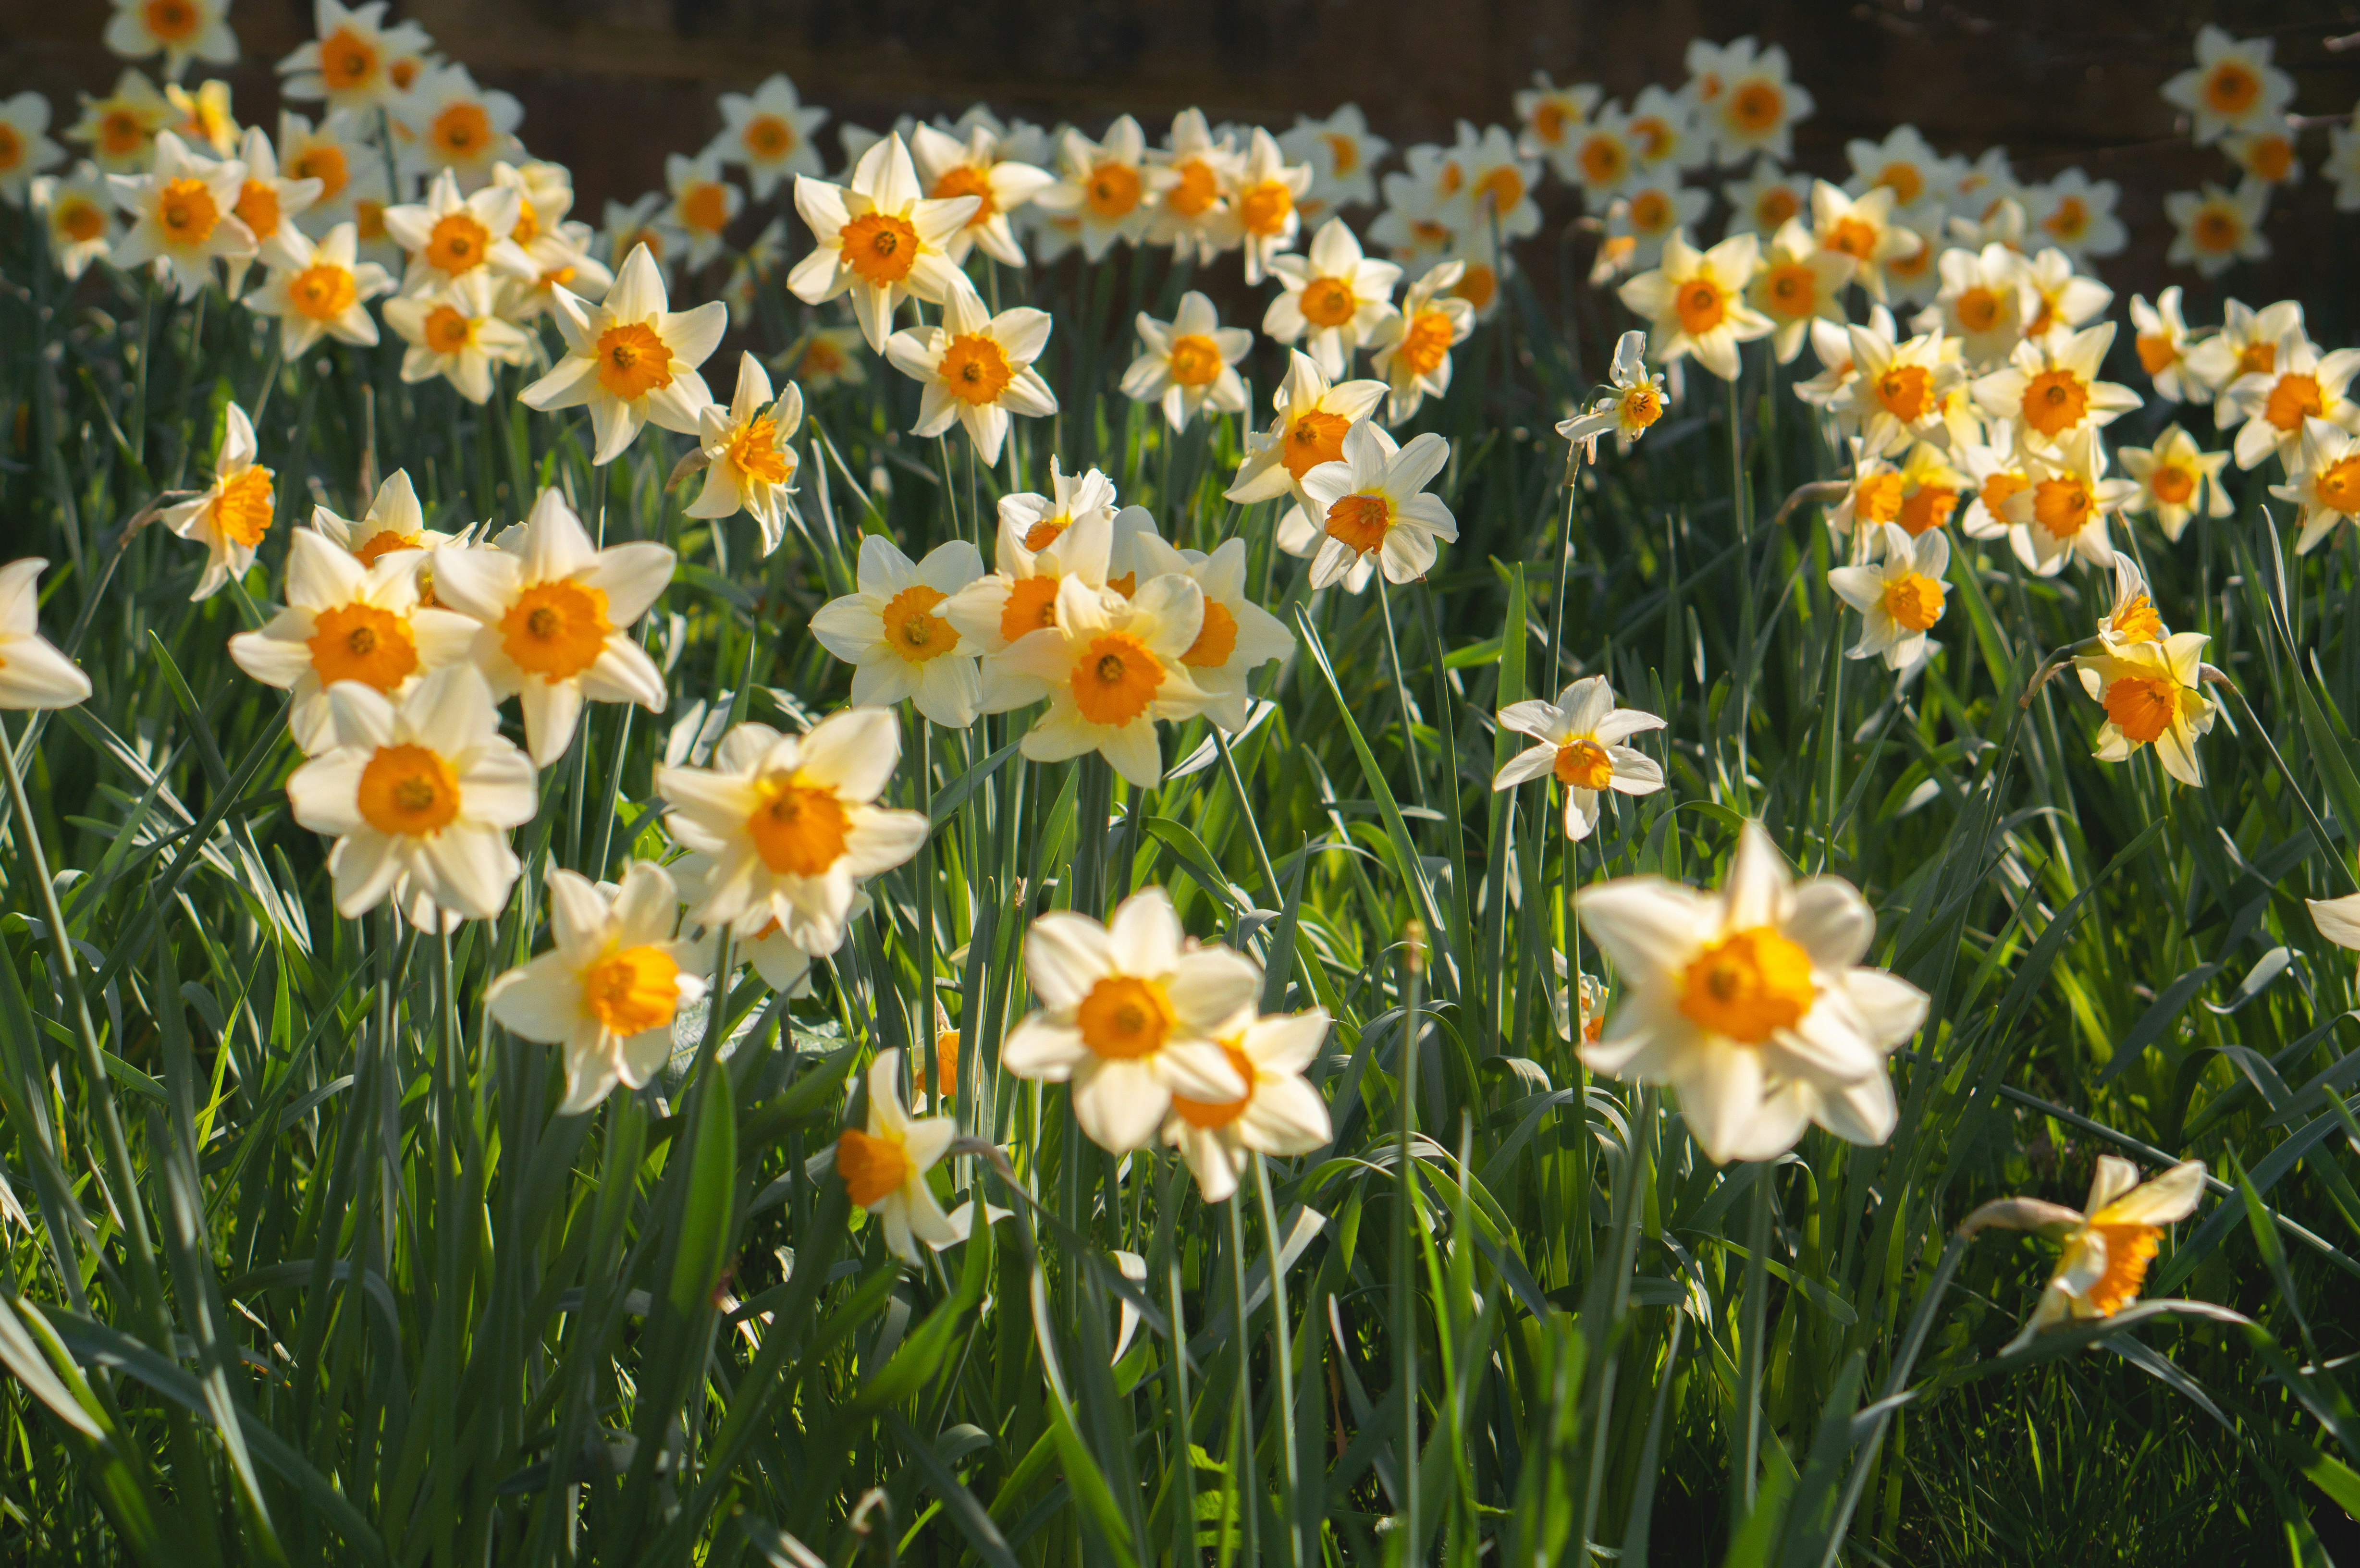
1106, 846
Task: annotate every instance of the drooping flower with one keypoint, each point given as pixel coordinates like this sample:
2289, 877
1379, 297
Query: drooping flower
1129, 1015
554, 615
351, 61
1694, 303
1110, 667
2177, 479
1188, 364
1752, 1003
1581, 738
420, 796
2153, 694
980, 164
1631, 407
179, 30
456, 333
1280, 1112
457, 127
792, 824
33, 672
2108, 1244
1374, 510
880, 240
230, 516
884, 1165
892, 632
631, 358
183, 214
1411, 348
1899, 592
1331, 300
2232, 88
750, 454
2130, 617
767, 133
975, 370
2325, 482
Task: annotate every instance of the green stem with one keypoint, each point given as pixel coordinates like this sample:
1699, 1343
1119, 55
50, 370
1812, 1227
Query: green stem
1284, 1348
1401, 693
1756, 1307
1403, 1326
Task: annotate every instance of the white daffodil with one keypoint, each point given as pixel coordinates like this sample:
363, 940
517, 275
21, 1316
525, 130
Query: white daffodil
1188, 364
1103, 187
2178, 479
1267, 201
351, 60
1280, 1112
79, 212
183, 215
2164, 347
2247, 342
1633, 403
230, 516
558, 248
1768, 196
641, 225
749, 455
978, 164
2108, 1242
2153, 694
2051, 391
456, 333
345, 621
2325, 482
2270, 406
703, 203
24, 147
1551, 115
320, 291
1862, 229
1411, 346
267, 204
2061, 511
828, 357
2216, 228
1042, 541
449, 236
1373, 509
420, 796
33, 673
892, 632
767, 133
1905, 164
179, 30
456, 128
1801, 281
1332, 298
1896, 392
2077, 214
1191, 177
2064, 300
1899, 592
1757, 105
1340, 151
880, 240
1643, 219
1581, 737
120, 128
791, 825
2233, 87
1694, 303
1983, 302
610, 984
394, 521
975, 370
1110, 668
1312, 416
1129, 1015
631, 358
783, 966
2130, 617
884, 1165
1752, 1003
1237, 636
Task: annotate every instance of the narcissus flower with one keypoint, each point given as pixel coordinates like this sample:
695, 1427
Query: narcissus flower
1342, 153
1111, 668
2161, 340
1551, 115
880, 239
2217, 228
457, 127
1280, 1112
2177, 479
1694, 303
1191, 177
1983, 302
24, 148
750, 454
232, 513
1757, 105
1188, 364
1581, 738
449, 236
1373, 509
181, 30
2269, 406
320, 291
2077, 214
975, 370
1103, 186
979, 163
1312, 415
1266, 202
394, 521
792, 824
641, 225
1897, 390
1237, 635
2325, 482
120, 128
2108, 1242
609, 987
1899, 594
1905, 164
345, 621
767, 133
456, 333
703, 203
420, 796
828, 357
1129, 1015
2233, 87
892, 632
554, 614
2246, 341
1752, 1003
351, 61
2153, 694
1763, 201
1861, 228
1641, 222
1411, 348
2061, 510
1628, 410
884, 1165
79, 212
183, 215
2051, 391
33, 673
631, 358
1801, 281
1331, 300
1042, 541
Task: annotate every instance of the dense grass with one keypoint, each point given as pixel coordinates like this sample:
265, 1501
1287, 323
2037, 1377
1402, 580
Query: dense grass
342, 1287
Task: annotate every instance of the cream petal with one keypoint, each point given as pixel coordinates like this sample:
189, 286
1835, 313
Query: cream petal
540, 1001
1065, 955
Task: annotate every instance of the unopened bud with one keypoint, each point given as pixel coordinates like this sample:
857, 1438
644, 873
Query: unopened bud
1414, 940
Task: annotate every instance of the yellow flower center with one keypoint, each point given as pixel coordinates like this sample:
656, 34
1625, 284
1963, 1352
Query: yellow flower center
768, 137
1926, 508
1216, 641
1701, 305
705, 207
965, 180
1758, 107
873, 1168
2232, 88
1343, 152
462, 131
2217, 228
1876, 499
2294, 398
881, 248
446, 330
632, 990
1550, 120
1125, 1018
1748, 986
257, 209
2171, 485
2142, 706
1651, 209
1220, 1113
1854, 237
1361, 521
754, 451
556, 631
633, 361
1197, 191
408, 790
1504, 188
186, 212
1603, 158
1905, 392
362, 643
244, 509
976, 368
346, 61
80, 220
2070, 220
1426, 345
322, 291
2138, 621
1115, 679
1031, 605
1642, 407
2055, 401
1263, 209
171, 21
2064, 507
1328, 302
1583, 764
368, 219
913, 629
1978, 309
458, 243
2262, 356
1315, 437
2338, 485
1112, 190
2156, 353
1904, 180
2129, 1250
1193, 360
1914, 600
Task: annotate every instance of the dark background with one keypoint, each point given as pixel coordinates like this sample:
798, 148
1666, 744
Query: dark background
610, 86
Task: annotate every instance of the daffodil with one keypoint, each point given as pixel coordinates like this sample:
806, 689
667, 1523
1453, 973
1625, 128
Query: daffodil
1861, 228
749, 455
2153, 694
2077, 214
1641, 221
1768, 196
1757, 105
1190, 179
2177, 479
1631, 407
975, 370
784, 967
1494, 194
350, 61
1551, 116
183, 215
1983, 302
2323, 482
1904, 163
456, 128
1104, 186
1342, 153
2232, 86
1899, 592
703, 203
1042, 540
828, 357
24, 147
1896, 391
884, 1165
1665, 134
1266, 202
79, 212
1601, 159
345, 621
456, 333
2215, 229
233, 512
33, 672
1130, 1016
449, 236
1373, 509
2130, 615
767, 133
1752, 1003
394, 521
1188, 364
1694, 303
120, 128
420, 795
2108, 1242
2162, 342
978, 164
891, 629
1237, 637
268, 203
1110, 667
2269, 408
880, 240
179, 30
641, 225
1331, 300
791, 825
1280, 1112
631, 358
2061, 511
1411, 346
2052, 392
1801, 281
2063, 298
1931, 488
1995, 469
2247, 342
1312, 416
1582, 743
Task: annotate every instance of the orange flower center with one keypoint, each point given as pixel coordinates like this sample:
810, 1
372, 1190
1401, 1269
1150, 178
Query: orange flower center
1220, 1113
1264, 208
1032, 604
1193, 360
820, 357
1603, 159
1978, 309
1361, 521
2294, 398
705, 207
2070, 220
2064, 507
1342, 151
446, 330
1196, 191
2171, 485
1996, 491
872, 1168
458, 243
1701, 305
1125, 1018
81, 221
1315, 438
1550, 120
1650, 210
1583, 764
881, 248
1905, 392
1112, 190
556, 631
244, 509
1757, 106
1928, 507
2257, 356
368, 219
754, 451
257, 209
1115, 679
408, 790
1328, 302
2129, 1250
976, 368
322, 291
768, 137
2142, 706
384, 542
362, 643
404, 71
632, 990
633, 361
1504, 188
171, 21
1774, 207
2138, 621
1642, 406
462, 131
1792, 291
2055, 401
1748, 986
187, 213
2270, 158
2217, 229
2338, 485
1216, 641
1854, 237
965, 180
346, 61
1904, 180
1876, 499
798, 829
2232, 88
1425, 345
1914, 600
2156, 352
913, 629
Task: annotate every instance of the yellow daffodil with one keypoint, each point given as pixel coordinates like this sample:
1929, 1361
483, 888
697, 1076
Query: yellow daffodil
230, 515
1899, 592
2108, 1242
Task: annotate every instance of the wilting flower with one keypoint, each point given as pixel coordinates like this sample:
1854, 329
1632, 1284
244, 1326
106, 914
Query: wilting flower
884, 1167
2153, 694
791, 825
232, 513
749, 455
1899, 595
80, 212
1694, 303
33, 673
420, 796
2217, 228
1752, 1003
1634, 403
767, 133
880, 239
1411, 348
1280, 1112
2108, 1242
457, 127
1374, 510
2177, 479
183, 214
456, 333
2324, 483
320, 291
1130, 1012
351, 61
2232, 86
976, 369
1313, 416
609, 987
1331, 300
1581, 737
181, 30
1110, 668
554, 614
1188, 364
892, 632
1237, 636
631, 358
